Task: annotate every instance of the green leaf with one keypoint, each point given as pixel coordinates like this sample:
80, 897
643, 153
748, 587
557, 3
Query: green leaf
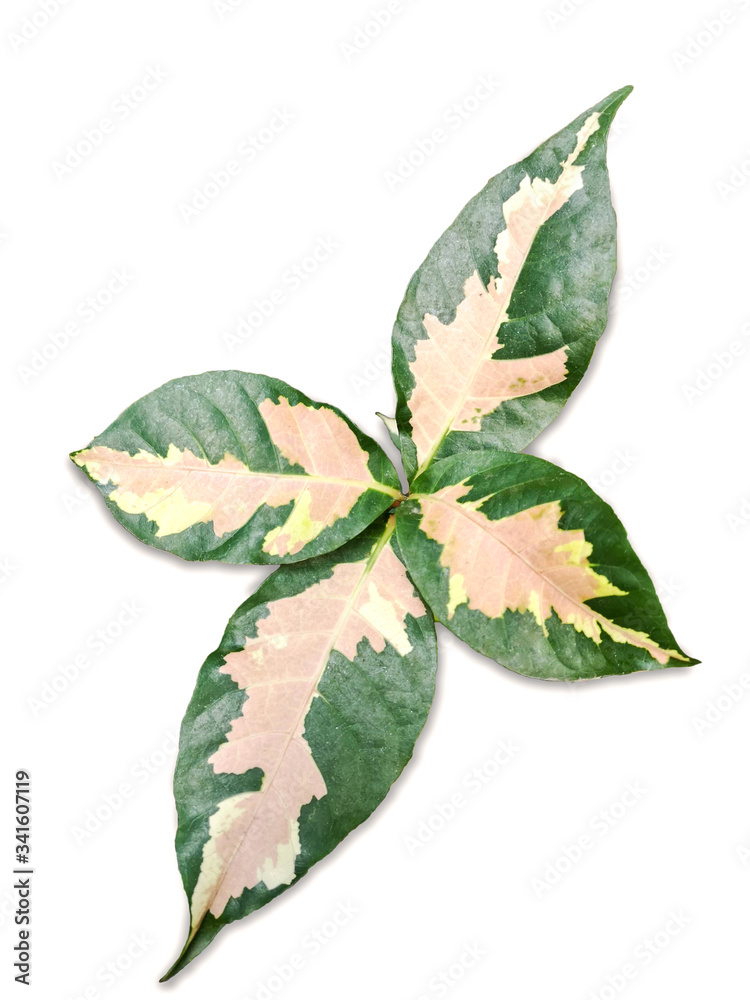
391, 426
499, 323
301, 720
529, 566
240, 468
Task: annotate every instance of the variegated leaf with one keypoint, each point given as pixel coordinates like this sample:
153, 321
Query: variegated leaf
240, 468
300, 722
499, 323
529, 566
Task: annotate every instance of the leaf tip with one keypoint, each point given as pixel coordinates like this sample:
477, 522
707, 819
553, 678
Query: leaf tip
177, 966
392, 428
611, 104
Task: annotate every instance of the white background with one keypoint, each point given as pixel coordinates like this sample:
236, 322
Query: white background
681, 487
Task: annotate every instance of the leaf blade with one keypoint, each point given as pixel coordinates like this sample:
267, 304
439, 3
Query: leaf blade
526, 564
239, 468
373, 685
391, 426
499, 323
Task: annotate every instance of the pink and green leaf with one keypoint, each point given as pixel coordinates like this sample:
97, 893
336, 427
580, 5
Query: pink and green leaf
310, 708
300, 723
240, 468
499, 323
530, 567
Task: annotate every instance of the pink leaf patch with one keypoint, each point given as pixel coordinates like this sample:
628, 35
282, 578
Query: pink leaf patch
523, 563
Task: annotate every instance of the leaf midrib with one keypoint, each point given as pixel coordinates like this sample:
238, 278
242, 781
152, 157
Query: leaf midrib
213, 471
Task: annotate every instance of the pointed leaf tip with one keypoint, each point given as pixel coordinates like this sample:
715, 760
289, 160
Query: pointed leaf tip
391, 426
